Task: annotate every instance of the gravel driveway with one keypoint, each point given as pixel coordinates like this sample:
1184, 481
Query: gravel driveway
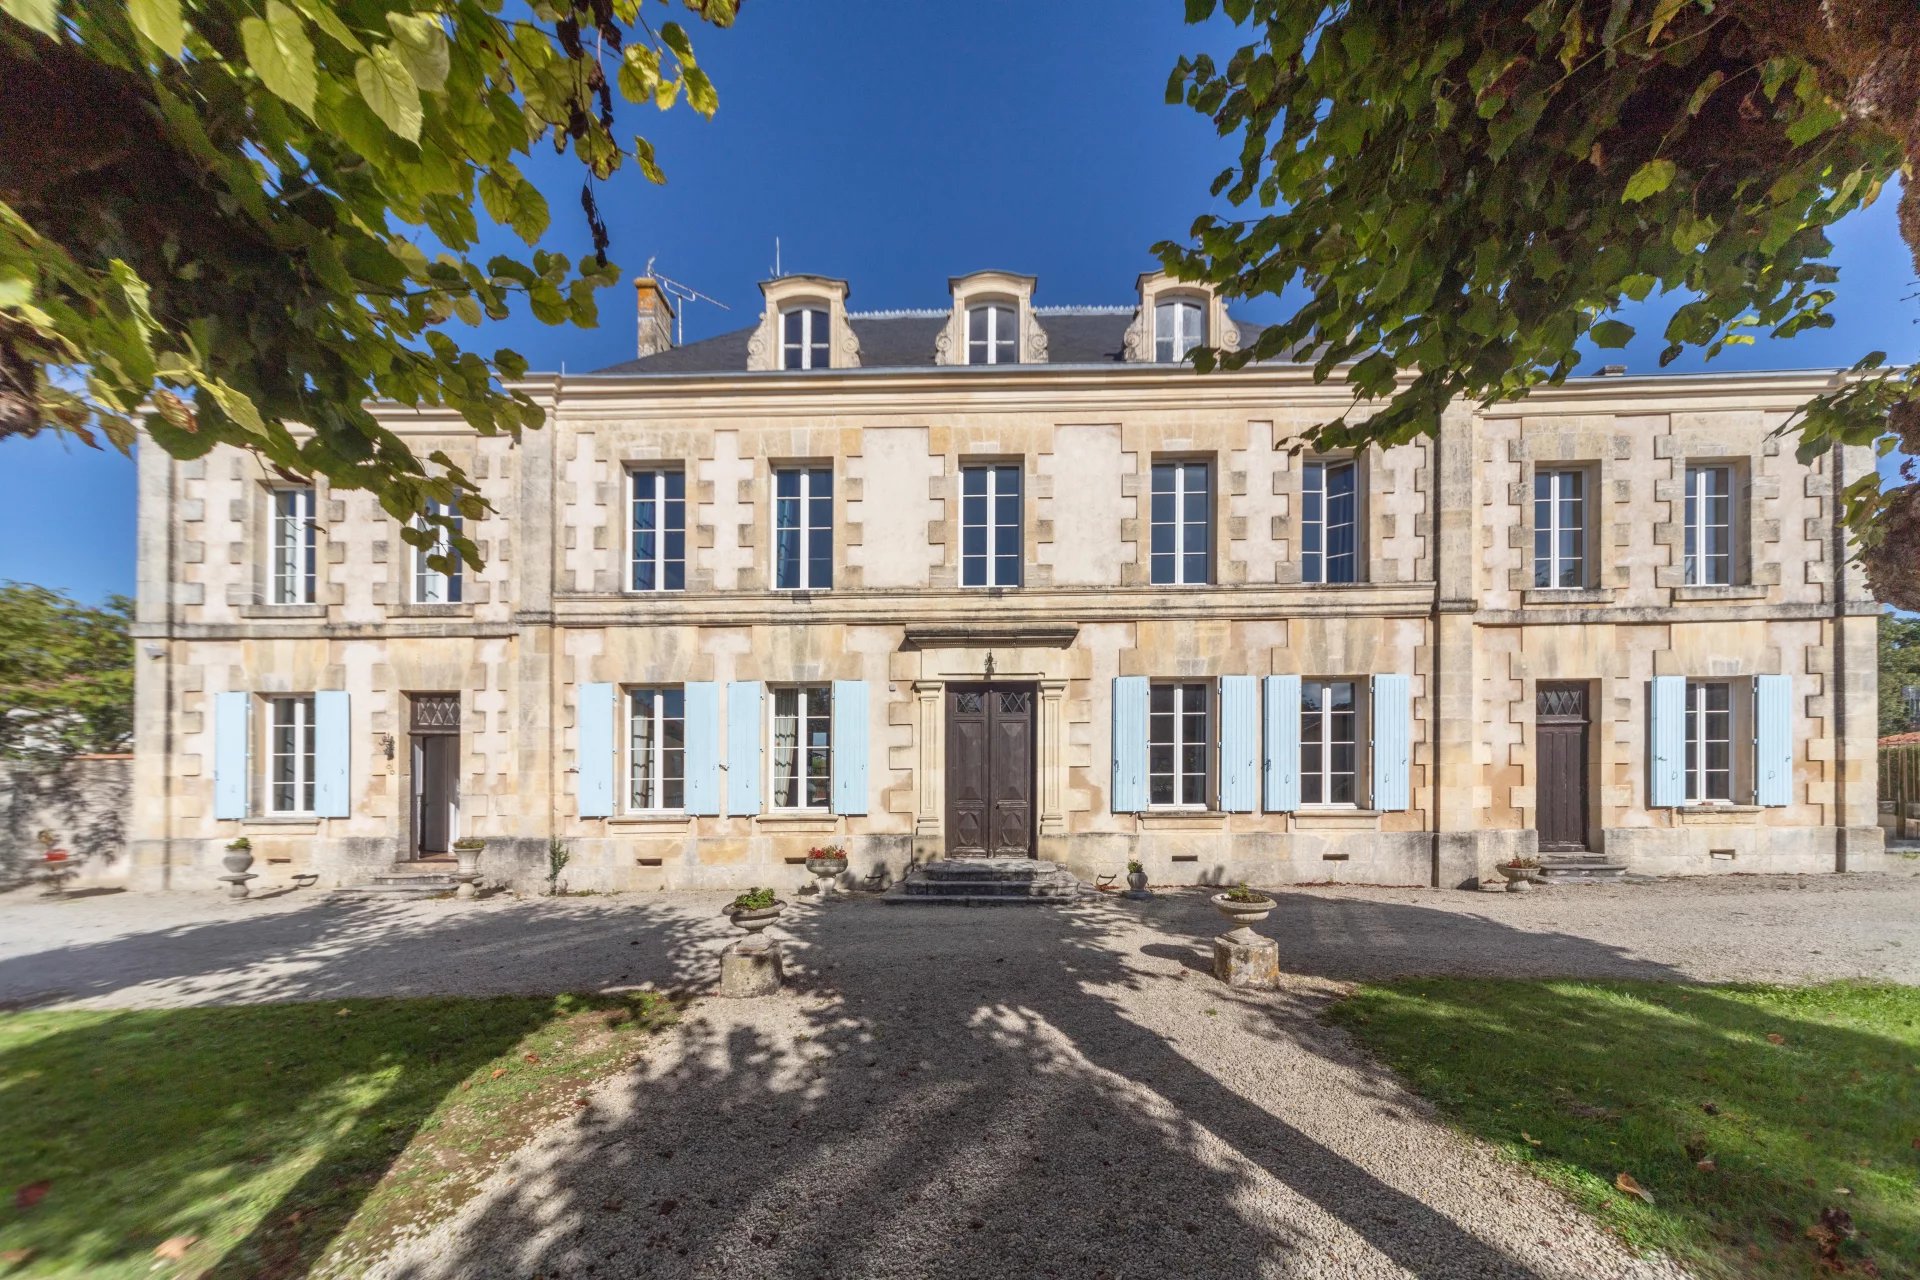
955, 1093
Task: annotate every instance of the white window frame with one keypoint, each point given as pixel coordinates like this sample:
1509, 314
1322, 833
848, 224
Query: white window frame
803, 719
807, 531
1171, 347
996, 532
1698, 738
302, 758
430, 585
1182, 468
658, 500
1327, 741
1185, 782
1313, 484
1697, 526
654, 761
996, 315
297, 584
816, 334
1557, 498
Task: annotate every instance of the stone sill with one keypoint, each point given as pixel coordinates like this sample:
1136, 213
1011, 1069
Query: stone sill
799, 823
1718, 815
1739, 591
281, 820
1336, 820
1182, 820
660, 822
285, 611
1566, 595
462, 610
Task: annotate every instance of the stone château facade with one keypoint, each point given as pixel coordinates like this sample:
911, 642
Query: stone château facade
1001, 578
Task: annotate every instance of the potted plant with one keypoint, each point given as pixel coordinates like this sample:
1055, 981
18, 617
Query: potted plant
828, 863
238, 857
1243, 906
754, 910
56, 865
468, 850
1520, 873
1136, 876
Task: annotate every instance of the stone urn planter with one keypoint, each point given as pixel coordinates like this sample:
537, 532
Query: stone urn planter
827, 865
467, 853
1242, 914
1136, 879
753, 911
1520, 877
238, 858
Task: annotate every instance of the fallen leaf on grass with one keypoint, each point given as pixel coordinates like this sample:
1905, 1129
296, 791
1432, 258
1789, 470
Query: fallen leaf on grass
1531, 1140
497, 1073
16, 1257
31, 1194
465, 1085
1627, 1183
1711, 1108
343, 1013
534, 1058
174, 1248
1843, 1191
1834, 1229
1774, 1037
1706, 1166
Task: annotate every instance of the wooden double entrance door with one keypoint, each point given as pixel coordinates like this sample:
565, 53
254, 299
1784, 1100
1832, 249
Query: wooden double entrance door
1560, 734
990, 771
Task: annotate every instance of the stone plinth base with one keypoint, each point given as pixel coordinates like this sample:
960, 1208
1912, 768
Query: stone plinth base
750, 968
1245, 959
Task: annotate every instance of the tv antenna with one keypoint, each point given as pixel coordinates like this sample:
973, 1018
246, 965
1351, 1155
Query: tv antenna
776, 258
685, 293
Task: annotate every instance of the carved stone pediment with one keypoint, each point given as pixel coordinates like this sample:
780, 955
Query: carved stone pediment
788, 292
1006, 287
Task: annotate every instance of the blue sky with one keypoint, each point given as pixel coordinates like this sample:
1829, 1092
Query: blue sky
895, 145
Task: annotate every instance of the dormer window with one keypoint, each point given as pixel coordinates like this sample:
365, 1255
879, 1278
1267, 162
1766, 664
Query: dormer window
993, 331
803, 333
1179, 325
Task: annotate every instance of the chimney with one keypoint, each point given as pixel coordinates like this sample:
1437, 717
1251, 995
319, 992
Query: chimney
656, 316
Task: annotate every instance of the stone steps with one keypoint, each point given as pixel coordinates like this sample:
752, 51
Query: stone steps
1562, 868
985, 882
405, 881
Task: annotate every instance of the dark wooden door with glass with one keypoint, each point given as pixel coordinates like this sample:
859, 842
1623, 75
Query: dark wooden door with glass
434, 721
1560, 734
990, 771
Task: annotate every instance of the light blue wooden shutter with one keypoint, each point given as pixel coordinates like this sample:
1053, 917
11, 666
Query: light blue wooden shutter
593, 750
1129, 744
1239, 744
703, 747
1773, 740
1283, 743
332, 754
1666, 785
231, 713
744, 747
1392, 741
850, 746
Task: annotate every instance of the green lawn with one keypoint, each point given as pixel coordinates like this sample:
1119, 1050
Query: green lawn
270, 1135
1777, 1129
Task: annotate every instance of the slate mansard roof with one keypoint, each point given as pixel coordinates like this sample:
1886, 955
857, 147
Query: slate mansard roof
905, 340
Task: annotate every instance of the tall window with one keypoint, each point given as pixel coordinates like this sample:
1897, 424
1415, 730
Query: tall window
1709, 561
656, 749
993, 332
803, 338
1178, 745
1709, 741
1329, 523
431, 585
1178, 327
1328, 752
292, 559
803, 747
990, 526
803, 528
1182, 509
1559, 528
290, 755
659, 542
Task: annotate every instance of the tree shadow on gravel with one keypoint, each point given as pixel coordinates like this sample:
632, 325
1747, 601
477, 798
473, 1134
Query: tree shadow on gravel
989, 1105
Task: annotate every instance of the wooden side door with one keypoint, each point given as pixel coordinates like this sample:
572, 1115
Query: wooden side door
968, 799
1560, 754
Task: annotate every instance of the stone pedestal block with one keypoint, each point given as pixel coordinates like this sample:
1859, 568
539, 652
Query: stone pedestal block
1241, 959
749, 970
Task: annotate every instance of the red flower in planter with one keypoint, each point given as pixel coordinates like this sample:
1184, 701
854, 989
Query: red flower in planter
57, 855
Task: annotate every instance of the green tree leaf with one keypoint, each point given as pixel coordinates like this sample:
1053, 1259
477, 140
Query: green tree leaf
160, 22
513, 201
1650, 179
388, 89
281, 55
42, 15
421, 44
